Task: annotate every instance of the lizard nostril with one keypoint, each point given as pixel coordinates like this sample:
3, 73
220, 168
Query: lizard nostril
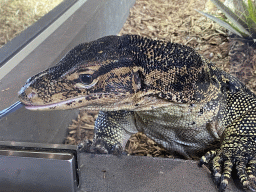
32, 95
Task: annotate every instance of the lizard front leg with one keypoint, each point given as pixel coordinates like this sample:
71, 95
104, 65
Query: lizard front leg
237, 151
112, 131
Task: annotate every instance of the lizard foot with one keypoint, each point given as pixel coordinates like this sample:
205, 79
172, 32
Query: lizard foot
223, 161
101, 147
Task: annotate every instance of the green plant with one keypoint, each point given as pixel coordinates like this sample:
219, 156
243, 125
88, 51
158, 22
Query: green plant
241, 21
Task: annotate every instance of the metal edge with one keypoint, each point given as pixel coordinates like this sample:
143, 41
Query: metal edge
29, 145
27, 149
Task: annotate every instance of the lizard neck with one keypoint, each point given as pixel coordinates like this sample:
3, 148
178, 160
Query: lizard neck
174, 72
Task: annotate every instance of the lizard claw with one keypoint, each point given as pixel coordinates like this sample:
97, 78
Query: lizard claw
85, 146
251, 170
252, 185
222, 179
118, 150
246, 171
100, 146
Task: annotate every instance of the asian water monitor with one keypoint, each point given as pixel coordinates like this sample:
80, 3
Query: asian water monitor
163, 89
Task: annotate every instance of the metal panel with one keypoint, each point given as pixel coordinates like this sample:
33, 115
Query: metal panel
32, 167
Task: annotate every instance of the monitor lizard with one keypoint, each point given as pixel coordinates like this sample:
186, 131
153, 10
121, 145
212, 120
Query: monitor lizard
163, 89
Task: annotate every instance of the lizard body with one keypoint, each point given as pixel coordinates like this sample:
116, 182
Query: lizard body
163, 89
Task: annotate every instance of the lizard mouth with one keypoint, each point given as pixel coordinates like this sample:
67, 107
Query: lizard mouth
52, 106
91, 102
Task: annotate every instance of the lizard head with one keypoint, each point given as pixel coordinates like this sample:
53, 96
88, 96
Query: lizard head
122, 73
97, 75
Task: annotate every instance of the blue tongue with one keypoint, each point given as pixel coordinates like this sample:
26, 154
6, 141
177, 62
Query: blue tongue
11, 109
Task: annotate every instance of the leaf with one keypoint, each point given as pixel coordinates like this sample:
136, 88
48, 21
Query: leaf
252, 12
241, 9
232, 17
221, 22
252, 27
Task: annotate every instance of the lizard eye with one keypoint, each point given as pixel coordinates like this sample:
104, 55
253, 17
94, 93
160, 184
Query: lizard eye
86, 79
